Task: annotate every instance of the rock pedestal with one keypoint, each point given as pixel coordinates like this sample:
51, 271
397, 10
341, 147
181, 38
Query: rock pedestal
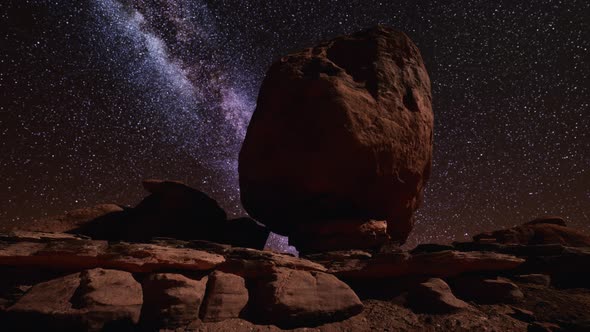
342, 131
339, 235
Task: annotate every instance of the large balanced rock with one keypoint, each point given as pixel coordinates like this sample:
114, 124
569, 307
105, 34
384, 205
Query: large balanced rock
341, 131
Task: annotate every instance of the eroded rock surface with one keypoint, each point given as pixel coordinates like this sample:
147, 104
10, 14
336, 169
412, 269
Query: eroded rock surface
227, 297
91, 300
171, 300
290, 297
434, 296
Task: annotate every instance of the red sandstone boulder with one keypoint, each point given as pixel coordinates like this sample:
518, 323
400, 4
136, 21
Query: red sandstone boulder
92, 300
171, 300
227, 297
342, 131
434, 296
290, 298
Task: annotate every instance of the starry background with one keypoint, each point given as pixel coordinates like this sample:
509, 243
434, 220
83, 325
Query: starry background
96, 95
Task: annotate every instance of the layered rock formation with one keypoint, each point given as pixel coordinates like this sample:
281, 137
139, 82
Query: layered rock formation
169, 285
56, 281
341, 137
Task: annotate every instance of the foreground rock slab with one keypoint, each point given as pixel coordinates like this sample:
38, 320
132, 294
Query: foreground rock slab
227, 297
91, 300
171, 300
291, 297
364, 265
80, 254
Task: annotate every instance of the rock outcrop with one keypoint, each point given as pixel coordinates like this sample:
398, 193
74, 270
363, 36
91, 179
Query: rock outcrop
183, 283
178, 211
434, 296
545, 230
342, 132
227, 297
359, 265
171, 300
290, 297
172, 210
92, 300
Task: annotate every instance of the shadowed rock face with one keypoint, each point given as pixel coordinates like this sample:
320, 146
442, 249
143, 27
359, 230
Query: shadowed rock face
546, 230
342, 130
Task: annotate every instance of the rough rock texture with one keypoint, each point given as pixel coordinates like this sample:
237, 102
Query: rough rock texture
171, 300
364, 265
341, 131
257, 290
227, 297
292, 297
434, 296
91, 300
548, 230
79, 254
486, 290
255, 263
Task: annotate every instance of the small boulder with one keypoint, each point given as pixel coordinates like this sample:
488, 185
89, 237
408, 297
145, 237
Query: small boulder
226, 297
486, 290
292, 298
434, 297
91, 300
171, 300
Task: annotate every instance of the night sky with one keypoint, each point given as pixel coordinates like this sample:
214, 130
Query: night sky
96, 95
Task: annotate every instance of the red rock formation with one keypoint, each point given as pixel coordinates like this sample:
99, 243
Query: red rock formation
227, 297
434, 296
547, 230
341, 131
86, 301
291, 297
171, 300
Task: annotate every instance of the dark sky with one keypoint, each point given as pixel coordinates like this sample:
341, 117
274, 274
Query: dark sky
99, 94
